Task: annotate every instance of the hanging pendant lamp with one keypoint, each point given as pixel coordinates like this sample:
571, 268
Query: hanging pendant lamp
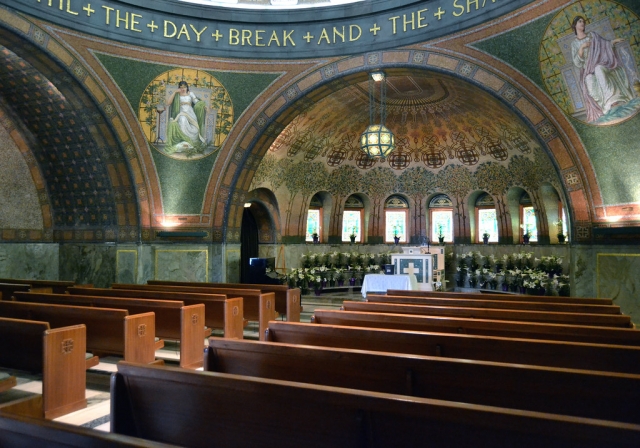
377, 141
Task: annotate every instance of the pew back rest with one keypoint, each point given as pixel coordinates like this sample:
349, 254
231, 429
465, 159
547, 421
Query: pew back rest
288, 300
480, 302
169, 405
167, 312
220, 311
505, 297
7, 289
583, 393
487, 327
603, 320
111, 331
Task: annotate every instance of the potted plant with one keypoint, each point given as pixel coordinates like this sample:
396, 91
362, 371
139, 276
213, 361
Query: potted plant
561, 236
441, 234
485, 237
354, 233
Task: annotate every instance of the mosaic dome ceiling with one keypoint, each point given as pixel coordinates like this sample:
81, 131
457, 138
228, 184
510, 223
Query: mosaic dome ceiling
437, 119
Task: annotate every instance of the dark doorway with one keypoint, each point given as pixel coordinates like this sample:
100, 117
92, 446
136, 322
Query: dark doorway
248, 243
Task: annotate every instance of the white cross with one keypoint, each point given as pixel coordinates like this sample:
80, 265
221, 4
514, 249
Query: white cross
411, 270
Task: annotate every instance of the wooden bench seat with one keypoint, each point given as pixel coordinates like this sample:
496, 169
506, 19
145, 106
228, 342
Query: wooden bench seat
7, 289
505, 297
478, 301
192, 408
58, 354
20, 432
288, 301
109, 331
487, 327
173, 319
607, 396
221, 312
257, 306
574, 355
7, 381
52, 286
589, 319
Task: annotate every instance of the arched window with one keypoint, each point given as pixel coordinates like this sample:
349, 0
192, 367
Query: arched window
314, 219
395, 219
486, 219
352, 219
441, 218
528, 218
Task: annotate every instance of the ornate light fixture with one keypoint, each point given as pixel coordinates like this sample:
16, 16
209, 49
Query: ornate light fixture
377, 141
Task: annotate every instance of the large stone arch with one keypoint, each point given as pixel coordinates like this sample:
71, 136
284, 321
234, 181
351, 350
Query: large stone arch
306, 90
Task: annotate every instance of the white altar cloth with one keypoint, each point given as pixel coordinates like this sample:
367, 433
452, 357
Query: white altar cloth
382, 282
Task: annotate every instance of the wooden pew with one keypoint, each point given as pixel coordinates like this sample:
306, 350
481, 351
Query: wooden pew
173, 319
7, 289
220, 311
478, 301
573, 355
505, 297
7, 381
169, 405
53, 286
19, 432
109, 331
595, 320
58, 354
288, 301
257, 306
583, 393
503, 328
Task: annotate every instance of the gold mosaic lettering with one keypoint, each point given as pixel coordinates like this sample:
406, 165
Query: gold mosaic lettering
406, 22
134, 22
338, 33
352, 36
274, 36
259, 38
197, 33
421, 18
234, 36
119, 19
175, 29
324, 35
69, 8
456, 5
246, 37
471, 2
108, 9
183, 30
393, 24
286, 36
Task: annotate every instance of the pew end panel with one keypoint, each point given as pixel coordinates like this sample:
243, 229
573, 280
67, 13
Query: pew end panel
139, 338
64, 376
191, 340
234, 318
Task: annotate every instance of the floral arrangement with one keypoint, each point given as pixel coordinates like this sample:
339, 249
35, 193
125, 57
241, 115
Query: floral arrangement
517, 272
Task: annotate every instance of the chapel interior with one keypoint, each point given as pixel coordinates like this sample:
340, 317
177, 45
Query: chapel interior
179, 140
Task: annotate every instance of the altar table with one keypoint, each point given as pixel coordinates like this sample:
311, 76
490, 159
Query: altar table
382, 282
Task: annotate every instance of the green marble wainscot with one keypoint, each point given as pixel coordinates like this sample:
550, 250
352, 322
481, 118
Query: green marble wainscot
189, 264
29, 261
618, 278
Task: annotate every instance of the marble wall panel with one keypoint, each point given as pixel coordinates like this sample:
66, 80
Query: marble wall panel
127, 265
88, 264
189, 263
29, 261
618, 277
232, 263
